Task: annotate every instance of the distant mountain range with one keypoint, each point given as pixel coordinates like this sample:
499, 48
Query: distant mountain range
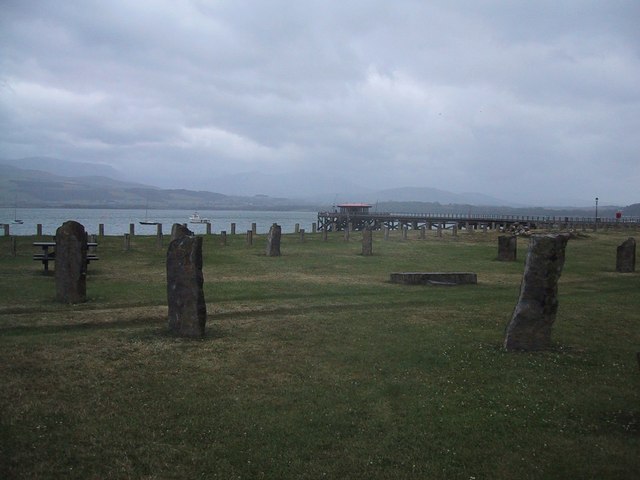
47, 182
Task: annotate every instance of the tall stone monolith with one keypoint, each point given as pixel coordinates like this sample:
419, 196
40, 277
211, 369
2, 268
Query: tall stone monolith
507, 248
71, 263
273, 240
626, 256
187, 308
367, 242
535, 312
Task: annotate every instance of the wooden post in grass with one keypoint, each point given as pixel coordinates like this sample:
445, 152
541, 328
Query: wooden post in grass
296, 229
454, 230
6, 229
314, 227
127, 242
249, 238
233, 228
325, 234
13, 246
39, 230
208, 228
386, 233
223, 238
159, 239
254, 229
101, 229
132, 229
302, 235
346, 233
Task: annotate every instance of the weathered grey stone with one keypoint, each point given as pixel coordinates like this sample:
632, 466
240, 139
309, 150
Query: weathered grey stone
71, 263
507, 248
273, 240
187, 308
626, 256
535, 312
434, 278
179, 230
367, 242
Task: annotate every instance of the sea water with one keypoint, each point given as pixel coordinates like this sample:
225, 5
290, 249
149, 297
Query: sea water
116, 221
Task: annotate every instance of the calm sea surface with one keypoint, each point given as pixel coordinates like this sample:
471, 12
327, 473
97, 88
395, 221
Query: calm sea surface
116, 221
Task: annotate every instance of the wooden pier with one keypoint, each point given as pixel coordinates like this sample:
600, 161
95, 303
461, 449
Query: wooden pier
358, 217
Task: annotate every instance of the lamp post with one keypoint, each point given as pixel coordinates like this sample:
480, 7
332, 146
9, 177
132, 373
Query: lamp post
596, 227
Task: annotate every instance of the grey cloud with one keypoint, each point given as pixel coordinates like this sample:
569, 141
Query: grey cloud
466, 96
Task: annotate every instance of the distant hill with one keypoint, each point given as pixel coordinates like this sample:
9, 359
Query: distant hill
427, 194
34, 188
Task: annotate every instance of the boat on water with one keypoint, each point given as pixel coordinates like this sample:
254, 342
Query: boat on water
146, 220
196, 218
16, 220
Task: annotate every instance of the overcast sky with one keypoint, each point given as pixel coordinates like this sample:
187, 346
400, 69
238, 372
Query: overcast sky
531, 101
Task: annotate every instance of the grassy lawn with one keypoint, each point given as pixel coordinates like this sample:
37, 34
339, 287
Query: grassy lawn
315, 366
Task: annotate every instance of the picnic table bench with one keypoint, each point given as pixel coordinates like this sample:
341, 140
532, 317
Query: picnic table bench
47, 256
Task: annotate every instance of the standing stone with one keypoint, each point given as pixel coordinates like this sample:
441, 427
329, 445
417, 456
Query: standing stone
507, 248
187, 308
273, 240
367, 242
179, 231
626, 256
71, 263
535, 312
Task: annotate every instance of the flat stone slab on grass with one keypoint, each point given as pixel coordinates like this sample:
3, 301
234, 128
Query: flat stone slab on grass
434, 278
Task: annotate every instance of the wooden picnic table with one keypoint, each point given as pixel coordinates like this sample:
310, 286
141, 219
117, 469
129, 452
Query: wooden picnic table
49, 256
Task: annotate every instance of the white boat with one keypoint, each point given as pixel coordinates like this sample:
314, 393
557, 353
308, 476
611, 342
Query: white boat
196, 218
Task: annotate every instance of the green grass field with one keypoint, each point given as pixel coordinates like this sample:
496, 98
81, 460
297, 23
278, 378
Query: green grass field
315, 366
